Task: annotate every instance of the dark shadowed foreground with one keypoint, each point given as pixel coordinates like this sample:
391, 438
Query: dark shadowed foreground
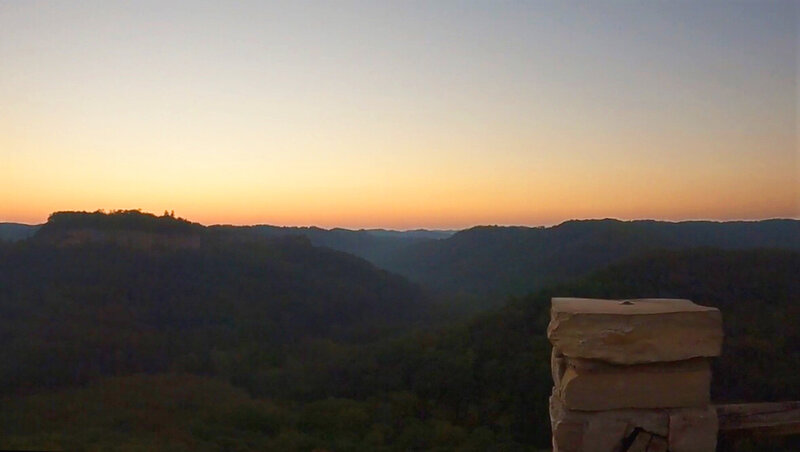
222, 342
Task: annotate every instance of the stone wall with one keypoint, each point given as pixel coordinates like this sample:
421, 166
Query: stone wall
633, 375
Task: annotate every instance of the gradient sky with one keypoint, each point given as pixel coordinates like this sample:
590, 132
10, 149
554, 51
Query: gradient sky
400, 114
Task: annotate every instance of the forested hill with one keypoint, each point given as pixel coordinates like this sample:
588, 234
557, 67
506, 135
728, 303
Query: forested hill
93, 305
371, 244
497, 261
494, 371
374, 245
489, 261
475, 385
130, 228
13, 232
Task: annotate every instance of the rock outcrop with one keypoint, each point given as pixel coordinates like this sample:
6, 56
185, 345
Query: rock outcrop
634, 331
633, 375
594, 386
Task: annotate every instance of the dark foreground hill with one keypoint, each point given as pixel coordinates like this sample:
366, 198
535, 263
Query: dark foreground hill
496, 261
478, 385
97, 294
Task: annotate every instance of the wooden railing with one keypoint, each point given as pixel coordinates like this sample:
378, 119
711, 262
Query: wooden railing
759, 419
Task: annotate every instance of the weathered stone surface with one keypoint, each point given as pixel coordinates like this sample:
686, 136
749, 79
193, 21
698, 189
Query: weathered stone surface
567, 436
657, 444
693, 430
640, 442
567, 429
594, 386
634, 331
654, 421
558, 365
602, 431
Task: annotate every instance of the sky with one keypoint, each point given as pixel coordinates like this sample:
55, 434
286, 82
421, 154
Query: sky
402, 114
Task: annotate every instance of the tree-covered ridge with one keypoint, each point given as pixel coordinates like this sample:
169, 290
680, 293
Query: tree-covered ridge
483, 263
12, 232
71, 314
377, 246
145, 230
129, 228
497, 261
119, 220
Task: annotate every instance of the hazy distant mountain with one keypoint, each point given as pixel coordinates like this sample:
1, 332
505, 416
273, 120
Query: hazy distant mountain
414, 233
488, 261
492, 260
16, 231
375, 245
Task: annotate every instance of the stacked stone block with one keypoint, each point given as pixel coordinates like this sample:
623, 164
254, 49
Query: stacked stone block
633, 375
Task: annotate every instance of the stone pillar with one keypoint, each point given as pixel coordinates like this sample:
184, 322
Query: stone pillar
633, 375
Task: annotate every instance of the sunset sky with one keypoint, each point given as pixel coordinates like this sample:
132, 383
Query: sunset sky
400, 114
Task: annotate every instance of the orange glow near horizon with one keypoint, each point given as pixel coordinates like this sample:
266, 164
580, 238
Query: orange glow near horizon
400, 116
447, 214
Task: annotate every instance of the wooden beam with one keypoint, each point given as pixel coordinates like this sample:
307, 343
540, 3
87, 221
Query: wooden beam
759, 419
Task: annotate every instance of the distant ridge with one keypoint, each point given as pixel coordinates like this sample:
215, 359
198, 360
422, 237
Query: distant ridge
488, 261
13, 232
375, 245
129, 292
497, 261
124, 227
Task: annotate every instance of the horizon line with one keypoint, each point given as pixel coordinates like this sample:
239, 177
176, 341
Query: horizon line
428, 228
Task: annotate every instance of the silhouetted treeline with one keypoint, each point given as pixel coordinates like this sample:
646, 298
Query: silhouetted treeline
118, 220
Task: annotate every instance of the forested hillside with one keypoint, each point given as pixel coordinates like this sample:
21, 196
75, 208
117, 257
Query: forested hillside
374, 245
481, 265
93, 295
470, 386
494, 371
11, 232
498, 261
